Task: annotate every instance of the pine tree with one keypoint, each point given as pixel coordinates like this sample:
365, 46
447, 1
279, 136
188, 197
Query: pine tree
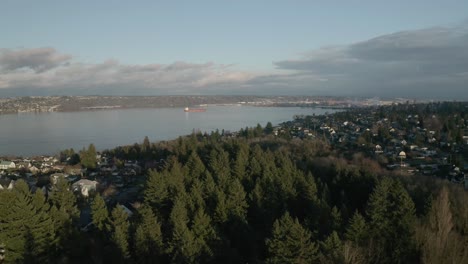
146, 144
194, 166
269, 128
120, 233
235, 200
26, 229
335, 217
241, 162
64, 210
204, 234
357, 229
42, 231
148, 238
332, 249
183, 248
392, 218
220, 166
88, 157
290, 242
156, 192
100, 214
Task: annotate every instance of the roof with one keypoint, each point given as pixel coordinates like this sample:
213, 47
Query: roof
85, 182
6, 162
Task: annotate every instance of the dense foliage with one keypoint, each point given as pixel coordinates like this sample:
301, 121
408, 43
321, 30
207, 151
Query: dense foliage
255, 198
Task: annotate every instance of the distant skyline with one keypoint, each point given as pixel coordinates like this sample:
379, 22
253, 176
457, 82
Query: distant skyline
415, 49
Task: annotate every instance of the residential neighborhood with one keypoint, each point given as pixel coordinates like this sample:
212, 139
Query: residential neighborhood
418, 139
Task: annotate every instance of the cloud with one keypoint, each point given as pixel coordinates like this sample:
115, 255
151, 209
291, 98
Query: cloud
425, 63
38, 60
420, 63
39, 70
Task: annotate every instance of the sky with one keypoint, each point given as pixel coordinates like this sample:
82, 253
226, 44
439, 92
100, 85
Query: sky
416, 49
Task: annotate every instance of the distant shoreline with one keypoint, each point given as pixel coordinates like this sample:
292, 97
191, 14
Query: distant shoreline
85, 103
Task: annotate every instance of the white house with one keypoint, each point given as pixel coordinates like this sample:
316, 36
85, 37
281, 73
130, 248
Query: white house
5, 165
85, 186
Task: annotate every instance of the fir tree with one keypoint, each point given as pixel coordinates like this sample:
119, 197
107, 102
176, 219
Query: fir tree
64, 210
100, 214
120, 227
357, 229
156, 192
26, 229
88, 157
392, 218
148, 238
332, 249
204, 234
290, 242
183, 248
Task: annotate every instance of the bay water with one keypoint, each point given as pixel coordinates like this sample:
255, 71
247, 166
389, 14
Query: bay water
29, 134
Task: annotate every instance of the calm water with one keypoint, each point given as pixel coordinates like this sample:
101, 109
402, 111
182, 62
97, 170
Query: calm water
29, 134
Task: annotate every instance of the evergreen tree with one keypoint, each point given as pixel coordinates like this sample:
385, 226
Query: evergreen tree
42, 232
335, 217
235, 200
120, 233
183, 248
64, 210
88, 157
290, 242
145, 147
100, 214
204, 234
156, 192
357, 229
26, 229
194, 166
269, 128
148, 238
392, 218
219, 165
332, 249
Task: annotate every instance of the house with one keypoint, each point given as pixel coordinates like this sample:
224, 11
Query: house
465, 140
24, 165
85, 186
378, 149
5, 165
54, 177
33, 169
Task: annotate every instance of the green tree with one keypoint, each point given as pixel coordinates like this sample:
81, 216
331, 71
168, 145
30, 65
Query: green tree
88, 157
194, 166
26, 229
204, 234
392, 222
290, 242
357, 229
332, 249
269, 128
156, 192
120, 234
65, 212
182, 247
148, 238
146, 146
335, 217
100, 214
